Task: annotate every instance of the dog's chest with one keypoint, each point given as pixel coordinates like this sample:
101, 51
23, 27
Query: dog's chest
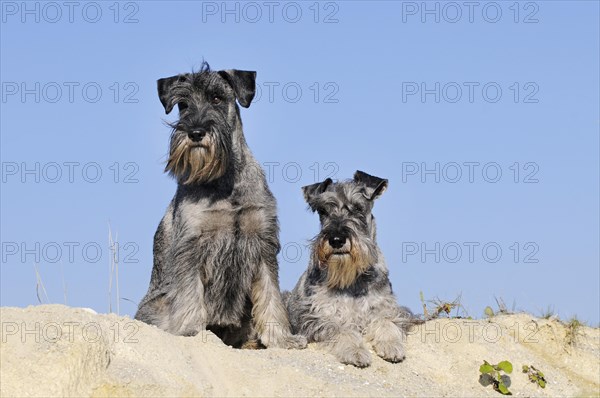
229, 244
224, 218
353, 309
357, 305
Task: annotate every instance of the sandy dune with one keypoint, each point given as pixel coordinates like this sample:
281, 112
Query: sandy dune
54, 350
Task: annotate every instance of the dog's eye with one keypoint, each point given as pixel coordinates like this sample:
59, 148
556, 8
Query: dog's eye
216, 100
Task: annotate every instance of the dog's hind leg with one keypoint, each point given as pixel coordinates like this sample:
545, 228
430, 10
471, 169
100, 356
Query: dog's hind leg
152, 309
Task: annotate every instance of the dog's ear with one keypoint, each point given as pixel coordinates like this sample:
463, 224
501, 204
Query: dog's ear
312, 191
375, 186
243, 83
164, 91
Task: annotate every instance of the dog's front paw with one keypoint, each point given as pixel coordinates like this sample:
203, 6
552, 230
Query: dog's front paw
288, 341
294, 341
188, 332
359, 357
389, 350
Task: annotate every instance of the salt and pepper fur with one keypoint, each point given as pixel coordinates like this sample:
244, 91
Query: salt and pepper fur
215, 250
344, 300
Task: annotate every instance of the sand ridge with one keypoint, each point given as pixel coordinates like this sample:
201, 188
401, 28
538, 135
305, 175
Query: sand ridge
55, 350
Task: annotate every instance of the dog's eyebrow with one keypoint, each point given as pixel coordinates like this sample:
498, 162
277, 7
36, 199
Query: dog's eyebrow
215, 86
327, 195
328, 199
347, 195
357, 203
351, 194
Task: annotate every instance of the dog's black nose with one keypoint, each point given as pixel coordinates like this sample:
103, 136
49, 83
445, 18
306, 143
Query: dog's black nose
337, 241
196, 135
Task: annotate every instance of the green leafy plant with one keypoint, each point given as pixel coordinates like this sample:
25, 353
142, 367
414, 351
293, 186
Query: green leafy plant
495, 376
535, 376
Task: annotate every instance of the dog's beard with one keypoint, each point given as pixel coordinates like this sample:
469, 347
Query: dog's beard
344, 268
192, 163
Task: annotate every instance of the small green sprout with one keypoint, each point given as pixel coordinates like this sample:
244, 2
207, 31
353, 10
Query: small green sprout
494, 373
535, 376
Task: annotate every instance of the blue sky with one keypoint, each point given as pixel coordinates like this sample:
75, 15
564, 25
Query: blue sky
485, 120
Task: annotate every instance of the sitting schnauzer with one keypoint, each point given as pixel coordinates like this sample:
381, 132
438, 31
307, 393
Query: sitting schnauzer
345, 298
215, 250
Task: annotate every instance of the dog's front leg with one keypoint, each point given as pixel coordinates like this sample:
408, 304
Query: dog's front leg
347, 345
185, 297
268, 312
386, 337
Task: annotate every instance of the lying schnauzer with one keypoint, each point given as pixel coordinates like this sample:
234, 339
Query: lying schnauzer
215, 250
345, 298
